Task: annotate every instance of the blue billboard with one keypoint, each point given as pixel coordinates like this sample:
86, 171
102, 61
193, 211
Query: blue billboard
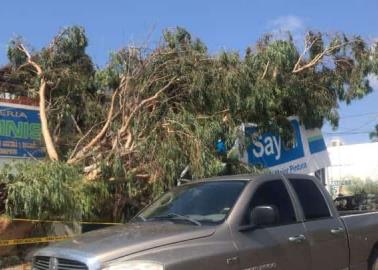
20, 132
268, 149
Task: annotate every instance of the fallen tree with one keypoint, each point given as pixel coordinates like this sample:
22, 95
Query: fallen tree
148, 114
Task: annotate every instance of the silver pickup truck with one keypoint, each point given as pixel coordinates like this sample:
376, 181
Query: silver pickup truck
234, 223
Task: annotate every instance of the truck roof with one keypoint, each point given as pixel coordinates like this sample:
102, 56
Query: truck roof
237, 177
249, 177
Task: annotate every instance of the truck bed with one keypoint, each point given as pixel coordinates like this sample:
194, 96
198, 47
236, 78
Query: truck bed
362, 232
355, 212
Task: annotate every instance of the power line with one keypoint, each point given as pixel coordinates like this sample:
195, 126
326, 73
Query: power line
358, 115
347, 133
357, 130
367, 123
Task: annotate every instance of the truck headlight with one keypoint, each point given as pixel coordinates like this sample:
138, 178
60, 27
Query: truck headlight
135, 265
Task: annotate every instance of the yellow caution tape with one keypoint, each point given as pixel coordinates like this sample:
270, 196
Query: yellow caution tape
12, 242
62, 221
24, 241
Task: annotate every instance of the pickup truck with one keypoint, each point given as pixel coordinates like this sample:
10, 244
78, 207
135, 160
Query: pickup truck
236, 223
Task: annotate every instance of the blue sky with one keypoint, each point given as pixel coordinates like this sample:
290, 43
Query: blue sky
231, 25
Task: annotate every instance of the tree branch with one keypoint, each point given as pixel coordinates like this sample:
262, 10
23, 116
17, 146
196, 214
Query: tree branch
306, 49
297, 68
141, 104
81, 154
265, 70
76, 125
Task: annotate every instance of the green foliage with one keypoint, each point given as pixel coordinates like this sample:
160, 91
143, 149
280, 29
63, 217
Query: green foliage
16, 57
359, 186
50, 190
69, 46
70, 75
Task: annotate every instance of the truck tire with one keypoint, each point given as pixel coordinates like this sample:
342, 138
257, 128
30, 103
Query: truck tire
373, 262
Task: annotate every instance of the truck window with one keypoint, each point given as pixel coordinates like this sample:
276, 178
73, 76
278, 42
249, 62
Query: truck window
311, 199
274, 193
206, 202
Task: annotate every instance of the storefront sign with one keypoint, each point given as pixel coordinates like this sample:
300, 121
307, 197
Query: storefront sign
20, 131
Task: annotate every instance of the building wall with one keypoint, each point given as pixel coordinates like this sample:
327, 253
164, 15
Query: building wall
351, 162
355, 160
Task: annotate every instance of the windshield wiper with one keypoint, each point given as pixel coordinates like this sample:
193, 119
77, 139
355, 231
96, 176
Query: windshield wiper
172, 216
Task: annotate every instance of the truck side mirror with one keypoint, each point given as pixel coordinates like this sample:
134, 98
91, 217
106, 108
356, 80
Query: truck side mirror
263, 215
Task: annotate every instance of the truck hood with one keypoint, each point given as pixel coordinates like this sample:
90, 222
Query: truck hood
119, 241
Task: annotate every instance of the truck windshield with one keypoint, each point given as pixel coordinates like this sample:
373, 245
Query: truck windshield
200, 203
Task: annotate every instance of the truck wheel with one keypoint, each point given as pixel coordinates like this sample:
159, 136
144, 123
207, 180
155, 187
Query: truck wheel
373, 264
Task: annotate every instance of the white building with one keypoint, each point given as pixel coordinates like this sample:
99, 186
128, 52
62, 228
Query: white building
354, 161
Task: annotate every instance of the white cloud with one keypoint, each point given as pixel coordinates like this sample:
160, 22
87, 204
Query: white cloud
286, 23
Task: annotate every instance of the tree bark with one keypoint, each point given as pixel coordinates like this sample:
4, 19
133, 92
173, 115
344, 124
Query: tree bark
50, 147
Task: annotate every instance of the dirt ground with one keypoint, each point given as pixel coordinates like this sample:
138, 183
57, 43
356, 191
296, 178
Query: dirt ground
12, 230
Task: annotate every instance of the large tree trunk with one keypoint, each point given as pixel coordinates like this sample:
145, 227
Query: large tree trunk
50, 147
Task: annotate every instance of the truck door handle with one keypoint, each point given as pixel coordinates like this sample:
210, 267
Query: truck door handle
297, 239
337, 230
232, 260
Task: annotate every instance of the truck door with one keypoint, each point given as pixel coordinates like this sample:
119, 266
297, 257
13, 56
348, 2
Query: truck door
326, 234
282, 245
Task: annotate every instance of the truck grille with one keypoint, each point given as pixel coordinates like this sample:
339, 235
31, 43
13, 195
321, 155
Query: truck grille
51, 263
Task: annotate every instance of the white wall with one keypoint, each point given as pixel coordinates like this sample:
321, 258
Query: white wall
353, 161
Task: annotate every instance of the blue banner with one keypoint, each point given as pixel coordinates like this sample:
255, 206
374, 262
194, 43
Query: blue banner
268, 149
20, 132
316, 144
